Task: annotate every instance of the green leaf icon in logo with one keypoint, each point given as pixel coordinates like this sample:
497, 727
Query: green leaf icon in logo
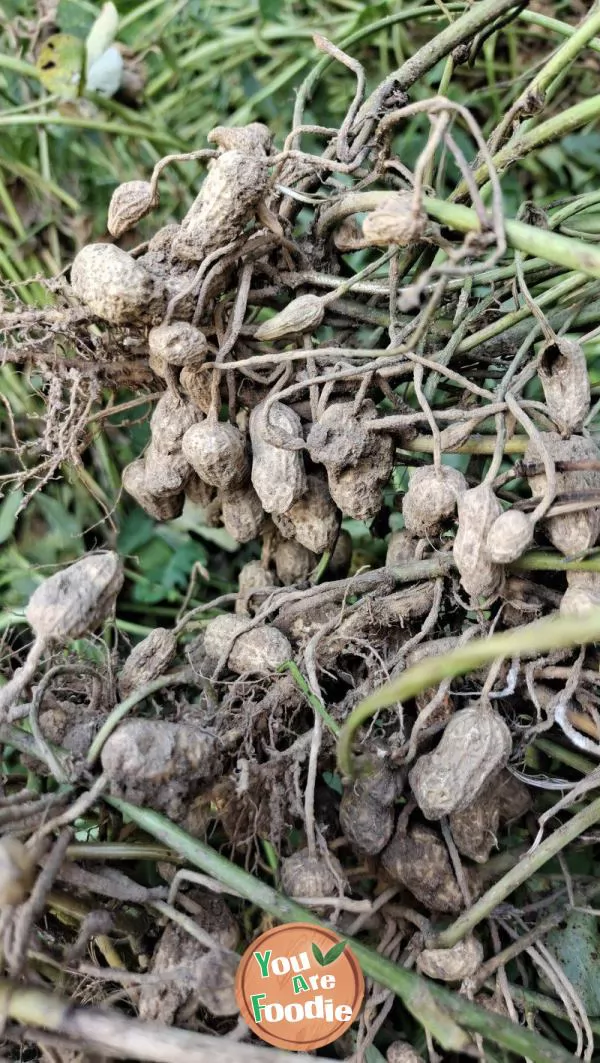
329, 957
318, 955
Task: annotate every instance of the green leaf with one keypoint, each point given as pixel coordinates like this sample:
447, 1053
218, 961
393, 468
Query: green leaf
333, 781
334, 953
137, 529
270, 10
73, 17
8, 514
60, 64
318, 955
178, 570
576, 945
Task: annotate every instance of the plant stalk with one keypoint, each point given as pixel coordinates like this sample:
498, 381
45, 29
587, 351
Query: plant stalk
547, 634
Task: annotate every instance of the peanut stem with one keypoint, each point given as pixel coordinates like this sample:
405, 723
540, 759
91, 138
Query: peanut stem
519, 874
554, 633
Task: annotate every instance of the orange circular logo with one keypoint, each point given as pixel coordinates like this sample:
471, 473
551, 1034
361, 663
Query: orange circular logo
299, 987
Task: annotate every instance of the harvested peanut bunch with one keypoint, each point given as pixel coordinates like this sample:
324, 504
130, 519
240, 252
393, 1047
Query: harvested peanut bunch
323, 416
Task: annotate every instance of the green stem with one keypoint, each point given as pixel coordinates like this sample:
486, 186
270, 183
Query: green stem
529, 997
544, 561
435, 1007
565, 29
92, 125
475, 18
571, 283
407, 14
18, 66
565, 756
562, 250
519, 874
312, 699
106, 851
114, 1035
556, 64
524, 143
555, 633
321, 567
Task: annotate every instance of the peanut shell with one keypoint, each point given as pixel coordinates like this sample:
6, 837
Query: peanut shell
116, 287
367, 824
278, 474
215, 988
130, 202
401, 549
17, 871
347, 236
253, 576
159, 762
418, 860
571, 533
463, 960
509, 537
178, 343
431, 499
165, 474
196, 381
233, 188
402, 1052
199, 493
303, 875
260, 651
300, 315
582, 595
394, 222
358, 490
563, 373
149, 659
176, 948
293, 562
474, 746
523, 602
243, 515
339, 438
251, 139
478, 508
76, 599
170, 420
313, 520
158, 505
474, 828
217, 452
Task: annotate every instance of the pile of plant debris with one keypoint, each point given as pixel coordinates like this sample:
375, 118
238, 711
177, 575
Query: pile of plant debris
325, 341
